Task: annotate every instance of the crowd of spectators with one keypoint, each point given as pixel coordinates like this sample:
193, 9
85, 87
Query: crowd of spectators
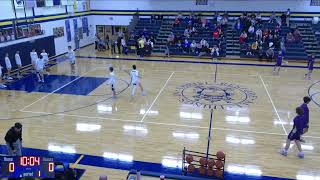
142, 42
198, 26
264, 42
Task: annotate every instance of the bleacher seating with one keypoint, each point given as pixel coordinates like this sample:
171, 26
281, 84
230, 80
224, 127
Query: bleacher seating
230, 44
202, 34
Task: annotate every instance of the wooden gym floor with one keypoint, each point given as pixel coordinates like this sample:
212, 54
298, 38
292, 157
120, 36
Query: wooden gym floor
156, 127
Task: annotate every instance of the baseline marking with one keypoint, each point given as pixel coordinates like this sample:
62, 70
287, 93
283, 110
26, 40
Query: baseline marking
165, 84
56, 90
274, 107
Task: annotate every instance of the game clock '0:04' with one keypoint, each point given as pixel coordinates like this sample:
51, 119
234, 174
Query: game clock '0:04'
26, 166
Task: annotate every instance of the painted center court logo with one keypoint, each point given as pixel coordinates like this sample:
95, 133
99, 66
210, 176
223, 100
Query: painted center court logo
214, 96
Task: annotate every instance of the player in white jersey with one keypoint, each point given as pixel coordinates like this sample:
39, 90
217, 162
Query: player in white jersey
18, 62
8, 66
72, 59
1, 84
39, 68
135, 80
34, 58
112, 81
45, 58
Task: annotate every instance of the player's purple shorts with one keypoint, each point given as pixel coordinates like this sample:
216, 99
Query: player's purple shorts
294, 136
310, 68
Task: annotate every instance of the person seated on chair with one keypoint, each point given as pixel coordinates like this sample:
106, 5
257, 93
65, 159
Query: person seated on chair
186, 46
215, 51
290, 38
187, 33
193, 46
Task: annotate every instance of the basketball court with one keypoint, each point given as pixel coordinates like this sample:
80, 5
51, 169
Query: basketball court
252, 113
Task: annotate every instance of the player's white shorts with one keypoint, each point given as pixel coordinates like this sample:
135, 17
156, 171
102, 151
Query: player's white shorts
135, 82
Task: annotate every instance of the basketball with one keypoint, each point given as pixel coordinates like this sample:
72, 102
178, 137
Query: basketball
210, 172
203, 161
220, 155
189, 159
210, 163
191, 168
218, 173
219, 164
202, 170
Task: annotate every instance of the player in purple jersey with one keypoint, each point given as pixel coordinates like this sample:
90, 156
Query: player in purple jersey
278, 64
311, 61
305, 108
295, 134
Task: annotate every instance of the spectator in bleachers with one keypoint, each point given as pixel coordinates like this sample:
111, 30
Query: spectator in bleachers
248, 49
12, 36
193, 46
178, 38
171, 38
288, 13
216, 34
253, 19
251, 31
260, 52
283, 18
224, 22
297, 35
145, 32
215, 51
187, 33
238, 26
180, 17
186, 46
189, 20
203, 42
270, 53
265, 33
259, 34
150, 43
215, 17
7, 35
176, 22
179, 46
290, 38
243, 37
272, 18
2, 39
204, 22
254, 48
152, 37
219, 18
198, 48
258, 18
194, 31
